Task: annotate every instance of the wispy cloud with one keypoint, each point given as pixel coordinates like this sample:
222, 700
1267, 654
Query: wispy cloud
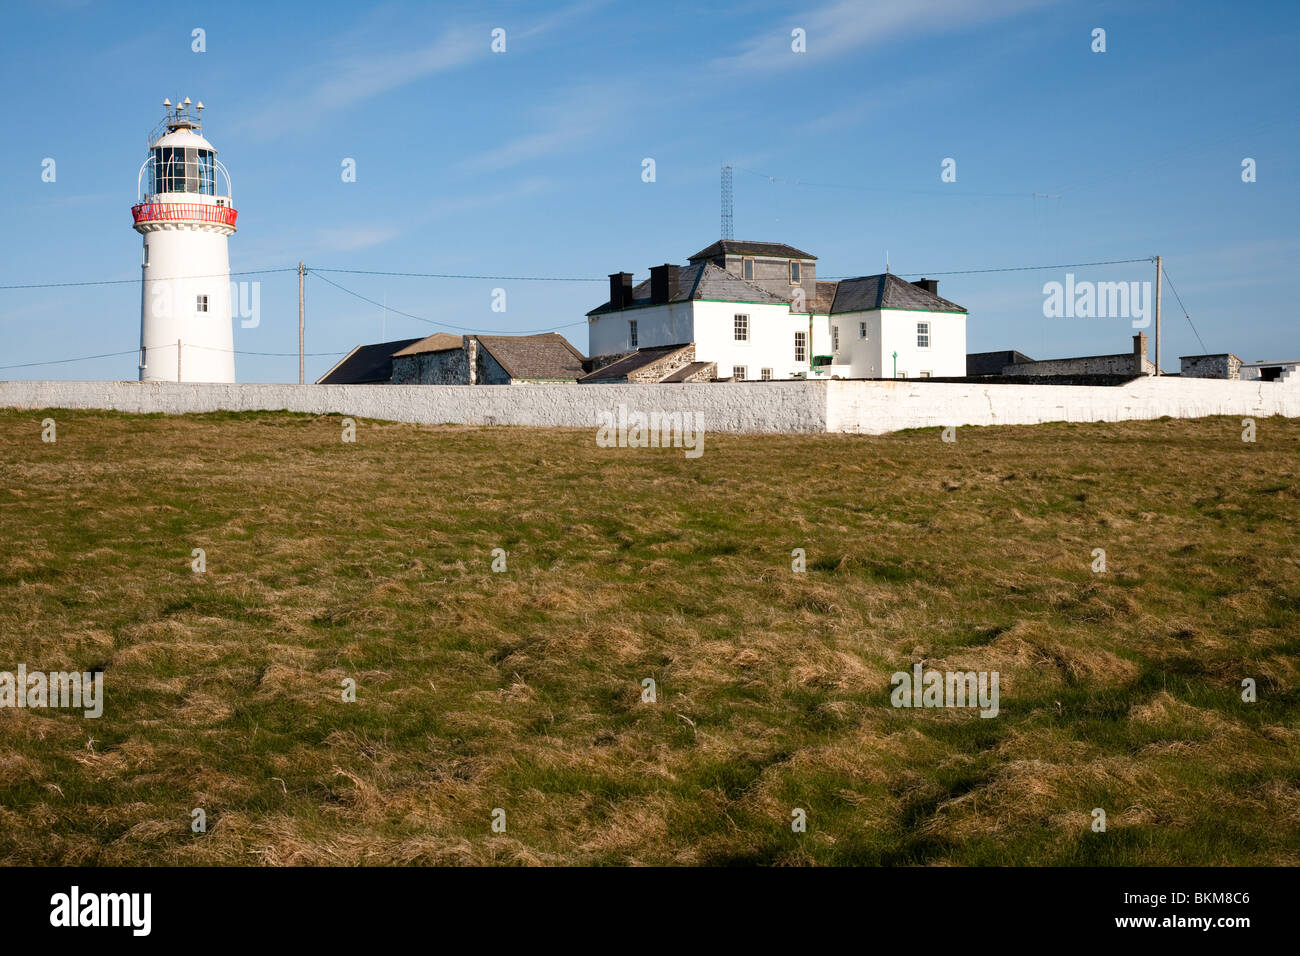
355, 78
572, 119
848, 26
346, 79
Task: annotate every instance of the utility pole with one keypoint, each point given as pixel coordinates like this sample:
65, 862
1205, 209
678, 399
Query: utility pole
178, 360
1158, 271
301, 354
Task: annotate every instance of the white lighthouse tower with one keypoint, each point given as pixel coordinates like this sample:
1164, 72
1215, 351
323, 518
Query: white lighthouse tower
183, 210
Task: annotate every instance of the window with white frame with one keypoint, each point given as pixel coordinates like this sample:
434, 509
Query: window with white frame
862, 330
801, 346
202, 304
900, 374
739, 372
631, 332
835, 338
925, 374
742, 328
794, 272
765, 374
923, 335
747, 268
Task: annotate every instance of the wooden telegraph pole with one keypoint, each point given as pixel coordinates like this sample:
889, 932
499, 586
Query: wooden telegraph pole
1158, 271
301, 354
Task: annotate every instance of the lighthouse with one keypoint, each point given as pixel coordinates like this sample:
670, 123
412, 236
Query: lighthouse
184, 212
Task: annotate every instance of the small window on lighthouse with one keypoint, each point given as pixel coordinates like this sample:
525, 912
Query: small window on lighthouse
203, 303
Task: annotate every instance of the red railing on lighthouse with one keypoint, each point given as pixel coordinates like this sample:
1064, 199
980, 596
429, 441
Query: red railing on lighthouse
184, 211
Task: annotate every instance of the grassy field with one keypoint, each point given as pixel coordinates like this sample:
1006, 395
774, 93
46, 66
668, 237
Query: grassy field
521, 690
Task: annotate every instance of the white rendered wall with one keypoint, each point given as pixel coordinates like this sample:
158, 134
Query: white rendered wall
711, 326
946, 355
771, 337
875, 408
667, 324
813, 406
725, 406
861, 355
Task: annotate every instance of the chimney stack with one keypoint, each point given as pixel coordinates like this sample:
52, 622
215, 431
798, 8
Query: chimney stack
929, 285
663, 282
1140, 353
620, 290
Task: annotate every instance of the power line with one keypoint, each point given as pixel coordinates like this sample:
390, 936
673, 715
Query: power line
211, 348
968, 272
501, 278
84, 358
1183, 307
155, 348
448, 275
213, 275
420, 318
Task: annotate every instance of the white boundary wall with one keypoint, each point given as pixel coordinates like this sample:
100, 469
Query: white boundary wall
726, 406
874, 408
791, 406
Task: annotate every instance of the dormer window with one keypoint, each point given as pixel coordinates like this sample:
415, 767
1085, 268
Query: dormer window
794, 272
747, 268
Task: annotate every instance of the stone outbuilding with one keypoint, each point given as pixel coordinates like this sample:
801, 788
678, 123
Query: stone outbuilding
444, 359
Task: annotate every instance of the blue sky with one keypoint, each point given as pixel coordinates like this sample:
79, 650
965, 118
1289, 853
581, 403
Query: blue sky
529, 162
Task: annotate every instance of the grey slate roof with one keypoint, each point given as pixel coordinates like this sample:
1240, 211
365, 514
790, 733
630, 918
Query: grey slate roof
438, 342
703, 280
545, 356
992, 363
743, 247
637, 360
886, 291
365, 365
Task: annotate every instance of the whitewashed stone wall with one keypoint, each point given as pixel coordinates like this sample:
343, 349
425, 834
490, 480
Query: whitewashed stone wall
874, 407
726, 407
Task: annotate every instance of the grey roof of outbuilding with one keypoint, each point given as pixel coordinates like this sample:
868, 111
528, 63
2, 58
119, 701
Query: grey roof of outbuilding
744, 247
365, 365
545, 356
887, 291
637, 360
703, 280
438, 342
992, 363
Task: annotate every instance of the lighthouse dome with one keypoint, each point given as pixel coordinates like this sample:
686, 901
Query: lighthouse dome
186, 139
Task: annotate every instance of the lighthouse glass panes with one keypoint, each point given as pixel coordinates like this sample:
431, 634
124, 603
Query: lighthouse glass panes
184, 170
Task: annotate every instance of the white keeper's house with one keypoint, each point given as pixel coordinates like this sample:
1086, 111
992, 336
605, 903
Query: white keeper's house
758, 311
